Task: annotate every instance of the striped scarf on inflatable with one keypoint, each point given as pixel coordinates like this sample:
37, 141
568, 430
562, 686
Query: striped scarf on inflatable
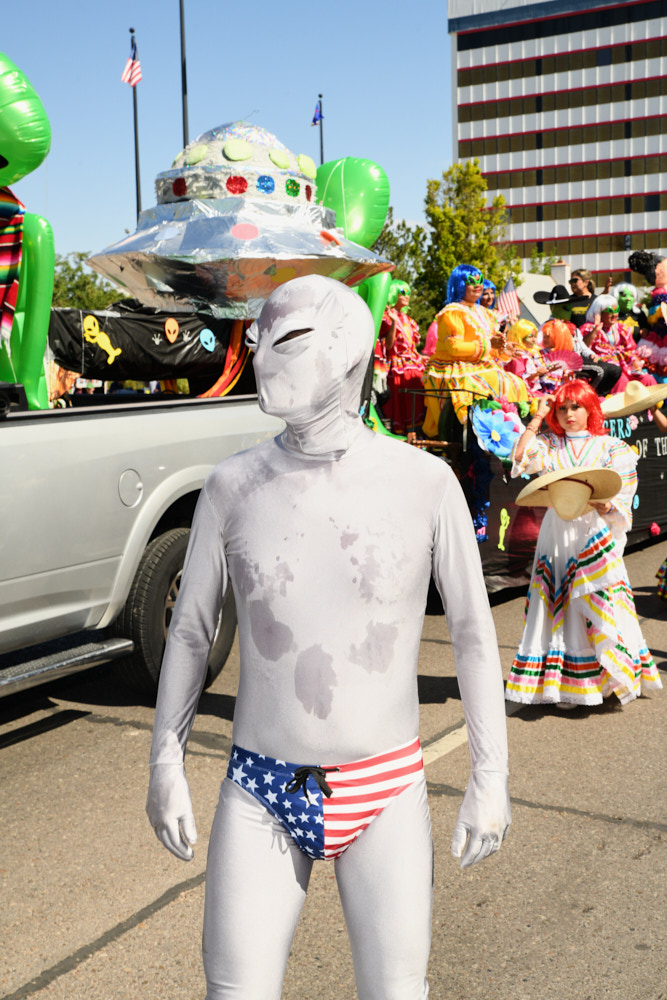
11, 237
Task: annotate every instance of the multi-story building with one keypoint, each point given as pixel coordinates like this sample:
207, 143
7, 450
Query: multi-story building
564, 104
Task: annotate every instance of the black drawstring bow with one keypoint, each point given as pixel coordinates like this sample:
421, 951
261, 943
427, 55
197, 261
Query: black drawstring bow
298, 782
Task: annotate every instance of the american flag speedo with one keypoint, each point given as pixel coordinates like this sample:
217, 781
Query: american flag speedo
326, 807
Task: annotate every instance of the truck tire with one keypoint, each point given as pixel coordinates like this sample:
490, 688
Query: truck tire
147, 613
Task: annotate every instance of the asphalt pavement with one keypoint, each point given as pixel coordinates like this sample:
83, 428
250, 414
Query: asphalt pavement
573, 906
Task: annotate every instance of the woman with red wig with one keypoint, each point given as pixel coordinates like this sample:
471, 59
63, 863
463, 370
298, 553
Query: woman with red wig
581, 640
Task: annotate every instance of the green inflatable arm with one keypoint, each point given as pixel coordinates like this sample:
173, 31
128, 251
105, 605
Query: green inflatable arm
33, 309
25, 140
358, 191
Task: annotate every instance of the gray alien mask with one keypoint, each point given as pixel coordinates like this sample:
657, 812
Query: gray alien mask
312, 343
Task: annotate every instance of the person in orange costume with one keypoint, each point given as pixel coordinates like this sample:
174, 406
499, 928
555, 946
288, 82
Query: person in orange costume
466, 364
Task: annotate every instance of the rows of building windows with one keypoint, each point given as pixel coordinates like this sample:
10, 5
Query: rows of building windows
617, 277
569, 247
575, 173
576, 22
560, 100
564, 62
589, 208
577, 135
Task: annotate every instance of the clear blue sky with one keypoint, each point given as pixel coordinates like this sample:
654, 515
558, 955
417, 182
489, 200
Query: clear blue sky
382, 66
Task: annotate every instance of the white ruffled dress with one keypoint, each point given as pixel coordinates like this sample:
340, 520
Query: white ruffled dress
581, 640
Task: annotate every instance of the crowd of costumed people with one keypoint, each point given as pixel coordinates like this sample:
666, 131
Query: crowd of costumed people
598, 356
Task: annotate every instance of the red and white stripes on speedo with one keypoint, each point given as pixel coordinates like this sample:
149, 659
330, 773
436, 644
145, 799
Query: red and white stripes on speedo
362, 789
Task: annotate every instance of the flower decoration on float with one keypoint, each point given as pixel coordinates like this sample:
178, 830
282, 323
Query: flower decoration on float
496, 429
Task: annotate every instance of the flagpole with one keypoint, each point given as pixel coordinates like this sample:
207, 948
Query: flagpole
321, 131
184, 80
136, 140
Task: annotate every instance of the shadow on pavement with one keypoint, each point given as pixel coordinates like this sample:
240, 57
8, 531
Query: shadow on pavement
534, 713
648, 604
98, 687
219, 705
437, 690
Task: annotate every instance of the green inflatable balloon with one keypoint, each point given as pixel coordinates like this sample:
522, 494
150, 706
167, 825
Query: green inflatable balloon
24, 127
374, 291
358, 191
25, 139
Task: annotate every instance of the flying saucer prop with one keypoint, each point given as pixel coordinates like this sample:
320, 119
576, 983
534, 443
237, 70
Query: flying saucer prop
236, 216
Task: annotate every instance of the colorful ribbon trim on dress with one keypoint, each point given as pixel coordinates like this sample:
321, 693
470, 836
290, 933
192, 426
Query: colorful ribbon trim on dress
582, 678
593, 562
11, 245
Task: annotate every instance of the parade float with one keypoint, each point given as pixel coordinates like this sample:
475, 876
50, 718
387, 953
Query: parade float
237, 214
506, 532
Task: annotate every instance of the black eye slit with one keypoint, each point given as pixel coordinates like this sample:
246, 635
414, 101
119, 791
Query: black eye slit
292, 335
3, 162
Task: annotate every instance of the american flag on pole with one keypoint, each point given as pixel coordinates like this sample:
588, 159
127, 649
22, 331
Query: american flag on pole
132, 71
508, 301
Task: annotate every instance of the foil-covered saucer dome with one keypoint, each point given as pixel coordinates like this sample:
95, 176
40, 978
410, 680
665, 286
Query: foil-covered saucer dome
236, 215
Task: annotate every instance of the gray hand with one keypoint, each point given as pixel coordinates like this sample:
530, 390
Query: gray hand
169, 809
484, 817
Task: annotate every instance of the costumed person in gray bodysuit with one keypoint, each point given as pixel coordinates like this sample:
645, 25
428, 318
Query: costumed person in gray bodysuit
328, 535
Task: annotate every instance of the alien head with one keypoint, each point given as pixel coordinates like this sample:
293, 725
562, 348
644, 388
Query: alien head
312, 342
25, 133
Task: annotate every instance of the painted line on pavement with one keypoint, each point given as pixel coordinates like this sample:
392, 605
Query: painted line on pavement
45, 978
454, 737
445, 744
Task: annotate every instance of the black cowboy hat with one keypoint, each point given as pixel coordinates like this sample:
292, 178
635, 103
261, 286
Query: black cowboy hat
555, 297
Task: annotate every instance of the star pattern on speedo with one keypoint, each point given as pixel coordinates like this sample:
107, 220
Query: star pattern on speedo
266, 778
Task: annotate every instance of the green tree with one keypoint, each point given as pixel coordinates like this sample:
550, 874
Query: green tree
404, 246
464, 229
76, 288
540, 263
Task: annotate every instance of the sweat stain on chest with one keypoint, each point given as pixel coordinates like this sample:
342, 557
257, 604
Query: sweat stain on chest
272, 638
314, 681
376, 652
247, 575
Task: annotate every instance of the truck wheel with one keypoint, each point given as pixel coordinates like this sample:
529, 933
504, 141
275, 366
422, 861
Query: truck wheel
147, 614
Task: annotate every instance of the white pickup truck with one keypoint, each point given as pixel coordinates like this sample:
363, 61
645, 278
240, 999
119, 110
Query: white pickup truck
95, 508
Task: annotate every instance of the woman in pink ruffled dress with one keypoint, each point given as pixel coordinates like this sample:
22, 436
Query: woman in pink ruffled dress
400, 335
613, 342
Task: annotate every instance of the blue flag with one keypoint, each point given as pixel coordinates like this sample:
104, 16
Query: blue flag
317, 117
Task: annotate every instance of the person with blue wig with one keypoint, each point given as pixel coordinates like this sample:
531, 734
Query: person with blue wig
488, 296
466, 365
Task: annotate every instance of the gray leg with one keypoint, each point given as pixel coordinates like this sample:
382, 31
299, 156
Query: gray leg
385, 880
256, 881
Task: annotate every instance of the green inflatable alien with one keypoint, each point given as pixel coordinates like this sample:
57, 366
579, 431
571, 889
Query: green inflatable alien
26, 241
358, 191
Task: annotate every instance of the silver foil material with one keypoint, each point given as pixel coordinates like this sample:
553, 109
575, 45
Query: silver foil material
229, 254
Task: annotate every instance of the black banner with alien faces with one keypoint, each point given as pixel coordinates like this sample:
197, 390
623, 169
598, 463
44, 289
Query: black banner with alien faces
508, 544
130, 341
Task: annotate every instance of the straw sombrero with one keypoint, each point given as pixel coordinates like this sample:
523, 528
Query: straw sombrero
569, 491
634, 398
